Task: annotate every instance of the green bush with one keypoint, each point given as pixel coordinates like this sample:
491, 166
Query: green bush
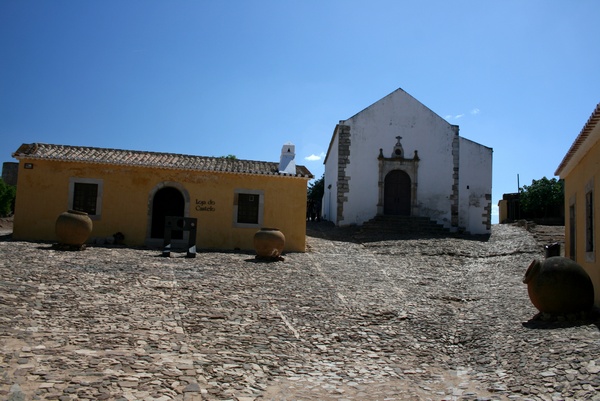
543, 197
7, 199
316, 189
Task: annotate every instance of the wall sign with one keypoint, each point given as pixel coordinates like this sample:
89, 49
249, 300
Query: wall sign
205, 205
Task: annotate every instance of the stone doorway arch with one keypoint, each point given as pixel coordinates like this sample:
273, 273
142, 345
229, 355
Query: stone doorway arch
166, 199
398, 182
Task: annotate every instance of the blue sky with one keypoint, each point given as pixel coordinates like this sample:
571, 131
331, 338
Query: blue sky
214, 78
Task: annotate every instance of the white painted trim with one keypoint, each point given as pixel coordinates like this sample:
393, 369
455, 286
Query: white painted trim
97, 181
261, 207
158, 242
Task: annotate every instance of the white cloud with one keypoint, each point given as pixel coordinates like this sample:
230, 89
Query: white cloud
314, 157
473, 112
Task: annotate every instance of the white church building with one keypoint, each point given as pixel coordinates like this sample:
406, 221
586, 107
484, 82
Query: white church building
397, 157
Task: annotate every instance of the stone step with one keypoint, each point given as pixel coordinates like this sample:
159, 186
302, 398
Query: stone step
401, 226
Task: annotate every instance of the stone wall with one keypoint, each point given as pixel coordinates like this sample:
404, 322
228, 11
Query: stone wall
343, 186
10, 172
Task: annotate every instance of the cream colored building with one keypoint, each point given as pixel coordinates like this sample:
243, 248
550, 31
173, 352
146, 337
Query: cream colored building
580, 169
131, 192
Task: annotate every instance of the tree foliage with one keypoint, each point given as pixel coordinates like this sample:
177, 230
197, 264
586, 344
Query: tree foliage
7, 198
543, 197
316, 189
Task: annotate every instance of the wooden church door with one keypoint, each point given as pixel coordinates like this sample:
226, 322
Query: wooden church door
397, 189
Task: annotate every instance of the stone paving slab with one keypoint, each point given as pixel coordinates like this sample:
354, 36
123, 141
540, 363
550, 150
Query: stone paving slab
419, 319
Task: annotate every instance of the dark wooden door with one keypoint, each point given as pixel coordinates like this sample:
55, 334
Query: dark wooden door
397, 198
167, 201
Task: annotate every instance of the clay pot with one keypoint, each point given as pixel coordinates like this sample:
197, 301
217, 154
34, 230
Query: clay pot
559, 286
73, 228
269, 243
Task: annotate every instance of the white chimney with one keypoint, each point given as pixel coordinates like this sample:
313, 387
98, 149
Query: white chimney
287, 162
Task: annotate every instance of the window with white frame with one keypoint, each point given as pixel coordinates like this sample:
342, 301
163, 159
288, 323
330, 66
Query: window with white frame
248, 208
85, 195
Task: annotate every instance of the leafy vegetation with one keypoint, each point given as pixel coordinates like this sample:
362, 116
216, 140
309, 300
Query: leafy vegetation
316, 189
314, 194
7, 199
543, 197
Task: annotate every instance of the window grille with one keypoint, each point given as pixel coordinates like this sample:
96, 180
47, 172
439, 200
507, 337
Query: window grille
248, 208
85, 197
589, 222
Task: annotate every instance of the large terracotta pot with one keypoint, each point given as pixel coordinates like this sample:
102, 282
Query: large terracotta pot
73, 228
558, 286
269, 243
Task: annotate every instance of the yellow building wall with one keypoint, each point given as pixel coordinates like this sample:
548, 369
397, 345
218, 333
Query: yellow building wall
502, 211
585, 173
43, 193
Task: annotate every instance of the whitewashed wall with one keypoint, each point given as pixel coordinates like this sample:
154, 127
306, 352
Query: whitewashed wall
475, 186
377, 127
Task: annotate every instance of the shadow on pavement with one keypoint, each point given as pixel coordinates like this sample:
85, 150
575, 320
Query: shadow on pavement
355, 234
543, 321
6, 237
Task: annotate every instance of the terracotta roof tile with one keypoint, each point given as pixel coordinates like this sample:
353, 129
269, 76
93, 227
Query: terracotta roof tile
85, 154
581, 138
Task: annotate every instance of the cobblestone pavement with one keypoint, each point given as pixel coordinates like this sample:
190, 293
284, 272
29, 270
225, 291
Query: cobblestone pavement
418, 319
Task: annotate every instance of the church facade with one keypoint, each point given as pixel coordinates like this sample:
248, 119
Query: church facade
397, 157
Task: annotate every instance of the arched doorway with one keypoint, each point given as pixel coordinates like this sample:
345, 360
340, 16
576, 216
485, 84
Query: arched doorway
167, 201
397, 193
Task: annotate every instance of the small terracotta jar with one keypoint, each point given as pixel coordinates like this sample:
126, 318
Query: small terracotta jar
269, 243
559, 286
73, 228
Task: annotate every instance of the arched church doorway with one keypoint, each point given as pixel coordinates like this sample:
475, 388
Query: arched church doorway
167, 201
397, 193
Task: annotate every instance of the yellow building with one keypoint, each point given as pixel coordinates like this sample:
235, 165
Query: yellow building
131, 192
580, 168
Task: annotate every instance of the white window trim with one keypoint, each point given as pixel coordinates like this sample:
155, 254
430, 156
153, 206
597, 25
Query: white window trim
99, 182
261, 204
